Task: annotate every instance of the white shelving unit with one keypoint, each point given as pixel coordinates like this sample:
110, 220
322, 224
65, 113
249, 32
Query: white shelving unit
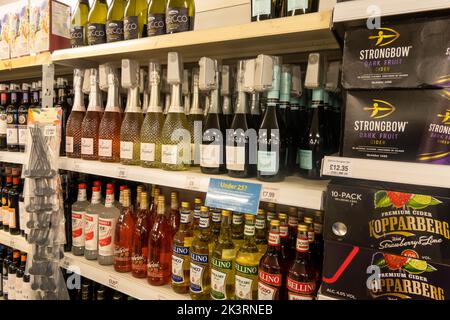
123, 282
389, 171
16, 242
12, 157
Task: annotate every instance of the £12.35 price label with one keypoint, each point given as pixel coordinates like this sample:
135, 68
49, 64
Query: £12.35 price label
337, 168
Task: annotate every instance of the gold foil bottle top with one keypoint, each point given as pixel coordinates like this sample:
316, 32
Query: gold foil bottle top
226, 213
161, 205
204, 209
261, 212
144, 200
308, 220
126, 197
274, 222
282, 216
174, 195
185, 205
249, 217
198, 201
271, 206
302, 227
157, 193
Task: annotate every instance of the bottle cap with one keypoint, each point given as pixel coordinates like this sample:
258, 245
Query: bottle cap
185, 205
109, 186
261, 212
198, 201
282, 216
204, 209
226, 213
97, 184
173, 195
308, 220
109, 191
302, 227
274, 222
249, 216
82, 186
123, 187
95, 189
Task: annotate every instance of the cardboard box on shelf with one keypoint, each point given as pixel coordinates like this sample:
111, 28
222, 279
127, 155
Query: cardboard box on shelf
5, 51
19, 28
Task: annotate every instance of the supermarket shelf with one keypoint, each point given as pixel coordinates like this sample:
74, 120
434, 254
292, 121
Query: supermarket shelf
278, 36
389, 171
12, 157
123, 282
24, 67
294, 191
358, 10
16, 242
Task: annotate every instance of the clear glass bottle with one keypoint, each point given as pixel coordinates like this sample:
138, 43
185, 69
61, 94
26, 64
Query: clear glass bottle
107, 221
114, 21
135, 19
78, 26
261, 231
156, 18
196, 116
78, 212
96, 33
196, 221
130, 132
174, 216
91, 225
237, 229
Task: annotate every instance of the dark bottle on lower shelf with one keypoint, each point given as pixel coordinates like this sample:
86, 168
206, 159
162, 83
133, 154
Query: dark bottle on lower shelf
4, 97
13, 207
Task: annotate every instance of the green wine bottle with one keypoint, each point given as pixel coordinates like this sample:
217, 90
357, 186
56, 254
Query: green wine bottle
177, 16
79, 24
191, 14
156, 18
135, 21
114, 21
97, 22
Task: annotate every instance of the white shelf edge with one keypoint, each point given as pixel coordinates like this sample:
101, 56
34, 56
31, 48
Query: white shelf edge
15, 242
394, 171
357, 10
12, 157
294, 191
123, 282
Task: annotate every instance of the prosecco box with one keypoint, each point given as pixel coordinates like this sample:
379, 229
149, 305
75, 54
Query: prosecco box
357, 273
398, 219
398, 125
411, 54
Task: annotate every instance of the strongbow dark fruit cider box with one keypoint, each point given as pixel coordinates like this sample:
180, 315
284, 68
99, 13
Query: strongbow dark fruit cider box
390, 219
404, 55
398, 125
352, 272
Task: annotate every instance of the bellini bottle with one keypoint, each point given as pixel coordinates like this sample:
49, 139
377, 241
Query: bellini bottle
153, 122
75, 120
135, 21
270, 147
91, 121
109, 129
160, 248
123, 237
313, 147
107, 221
96, 32
263, 10
140, 240
114, 21
130, 131
78, 212
156, 18
196, 115
181, 258
79, 24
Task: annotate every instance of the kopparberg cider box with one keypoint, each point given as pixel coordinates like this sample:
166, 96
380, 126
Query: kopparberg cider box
358, 273
398, 125
401, 55
19, 29
411, 221
4, 32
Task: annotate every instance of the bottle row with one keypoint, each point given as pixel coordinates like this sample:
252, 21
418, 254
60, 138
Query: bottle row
129, 19
210, 253
13, 215
15, 281
295, 131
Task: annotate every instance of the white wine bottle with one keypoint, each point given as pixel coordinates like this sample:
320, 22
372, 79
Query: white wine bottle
114, 22
79, 24
156, 18
97, 22
177, 16
135, 21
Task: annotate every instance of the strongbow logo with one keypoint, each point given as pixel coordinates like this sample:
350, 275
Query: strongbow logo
445, 117
385, 36
380, 109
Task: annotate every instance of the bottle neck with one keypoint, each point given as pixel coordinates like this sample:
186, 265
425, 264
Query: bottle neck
82, 195
13, 97
242, 107
214, 106
226, 107
249, 233
175, 100
154, 104
112, 104
174, 204
25, 98
134, 103
225, 228
204, 223
185, 219
255, 110
195, 107
161, 208
302, 245
96, 197
95, 103
109, 201
274, 239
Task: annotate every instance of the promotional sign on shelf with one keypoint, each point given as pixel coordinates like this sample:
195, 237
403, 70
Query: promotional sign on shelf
233, 195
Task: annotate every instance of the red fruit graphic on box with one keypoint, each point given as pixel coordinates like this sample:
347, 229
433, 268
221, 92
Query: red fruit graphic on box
89, 235
394, 262
399, 199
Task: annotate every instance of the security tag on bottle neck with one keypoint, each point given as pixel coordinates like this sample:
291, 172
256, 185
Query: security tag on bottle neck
87, 81
154, 71
207, 74
263, 78
314, 71
165, 85
103, 71
174, 68
226, 83
246, 74
333, 76
195, 76
143, 80
93, 78
26, 87
297, 89
130, 73
48, 79
185, 85
78, 76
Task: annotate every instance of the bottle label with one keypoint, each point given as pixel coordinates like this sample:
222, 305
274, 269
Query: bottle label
126, 150
122, 254
293, 221
243, 287
91, 231
77, 36
106, 228
219, 278
198, 264
306, 288
5, 285
302, 245
260, 224
131, 28
23, 216
177, 269
87, 146
305, 159
156, 24
270, 279
19, 283
169, 154
5, 213
77, 228
196, 214
216, 216
147, 151
203, 223
96, 33
235, 158
237, 219
22, 127
297, 4
12, 218
293, 296
267, 162
185, 217
266, 292
284, 231
249, 230
11, 287
274, 239
114, 31
105, 148
69, 144
261, 7
210, 155
177, 20
12, 135
3, 124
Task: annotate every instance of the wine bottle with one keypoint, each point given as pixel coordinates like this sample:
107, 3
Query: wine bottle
135, 21
294, 126
114, 21
255, 110
263, 9
156, 18
225, 91
298, 7
191, 14
153, 122
270, 148
22, 119
96, 33
73, 128
12, 130
195, 118
3, 104
282, 112
79, 24
177, 16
